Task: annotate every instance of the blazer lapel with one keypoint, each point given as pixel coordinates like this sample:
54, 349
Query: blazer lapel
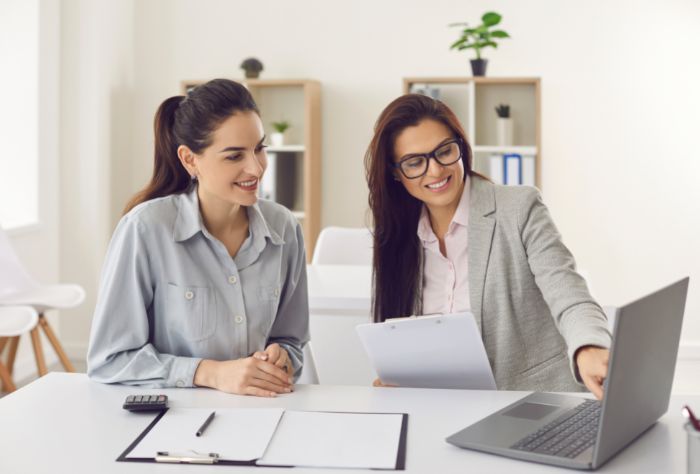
482, 205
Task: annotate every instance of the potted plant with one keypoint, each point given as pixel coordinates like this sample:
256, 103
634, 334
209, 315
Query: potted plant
479, 37
504, 129
280, 127
252, 68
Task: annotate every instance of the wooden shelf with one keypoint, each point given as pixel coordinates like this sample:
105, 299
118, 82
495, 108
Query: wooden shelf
522, 150
286, 149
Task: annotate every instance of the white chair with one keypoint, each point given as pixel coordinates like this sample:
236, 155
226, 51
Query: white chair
14, 321
309, 374
343, 246
17, 287
338, 347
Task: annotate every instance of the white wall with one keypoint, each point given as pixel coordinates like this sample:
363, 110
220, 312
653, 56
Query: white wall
96, 77
37, 245
620, 99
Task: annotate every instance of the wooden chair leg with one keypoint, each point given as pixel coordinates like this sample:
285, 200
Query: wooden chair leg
56, 345
12, 353
6, 378
38, 352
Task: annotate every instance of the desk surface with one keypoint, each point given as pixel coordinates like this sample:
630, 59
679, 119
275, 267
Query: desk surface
339, 287
66, 423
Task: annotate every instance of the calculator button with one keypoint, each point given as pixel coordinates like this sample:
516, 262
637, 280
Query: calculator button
130, 399
161, 398
138, 398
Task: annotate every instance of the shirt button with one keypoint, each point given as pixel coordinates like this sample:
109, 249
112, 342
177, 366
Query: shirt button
277, 291
232, 279
189, 295
180, 383
239, 319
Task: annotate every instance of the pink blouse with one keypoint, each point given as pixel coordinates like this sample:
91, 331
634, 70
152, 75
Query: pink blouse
445, 278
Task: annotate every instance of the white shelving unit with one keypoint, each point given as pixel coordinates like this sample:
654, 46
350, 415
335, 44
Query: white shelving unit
473, 100
286, 149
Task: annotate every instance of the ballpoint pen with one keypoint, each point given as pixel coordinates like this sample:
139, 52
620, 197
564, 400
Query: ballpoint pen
200, 431
688, 413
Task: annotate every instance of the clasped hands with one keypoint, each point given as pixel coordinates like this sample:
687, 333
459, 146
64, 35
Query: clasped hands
263, 374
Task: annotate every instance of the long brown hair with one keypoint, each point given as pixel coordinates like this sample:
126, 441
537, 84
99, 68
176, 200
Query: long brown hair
189, 120
395, 212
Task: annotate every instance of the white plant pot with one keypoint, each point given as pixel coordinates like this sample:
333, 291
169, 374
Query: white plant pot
504, 131
277, 139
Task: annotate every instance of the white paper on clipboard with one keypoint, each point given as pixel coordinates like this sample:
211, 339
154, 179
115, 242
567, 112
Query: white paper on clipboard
437, 351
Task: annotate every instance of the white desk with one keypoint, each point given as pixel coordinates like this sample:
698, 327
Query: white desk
65, 423
340, 298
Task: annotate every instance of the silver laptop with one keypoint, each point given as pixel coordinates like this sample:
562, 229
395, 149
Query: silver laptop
581, 433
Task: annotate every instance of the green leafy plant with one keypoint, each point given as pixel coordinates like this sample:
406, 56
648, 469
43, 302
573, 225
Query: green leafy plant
281, 126
503, 110
481, 36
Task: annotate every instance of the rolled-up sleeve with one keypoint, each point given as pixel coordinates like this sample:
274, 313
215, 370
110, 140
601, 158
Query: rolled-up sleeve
119, 349
291, 326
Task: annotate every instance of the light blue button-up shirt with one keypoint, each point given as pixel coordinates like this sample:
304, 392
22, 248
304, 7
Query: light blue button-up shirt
171, 295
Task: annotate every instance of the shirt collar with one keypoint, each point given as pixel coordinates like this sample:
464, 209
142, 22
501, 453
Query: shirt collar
461, 217
189, 221
260, 229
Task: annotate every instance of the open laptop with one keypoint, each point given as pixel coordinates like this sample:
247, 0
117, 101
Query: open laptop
581, 433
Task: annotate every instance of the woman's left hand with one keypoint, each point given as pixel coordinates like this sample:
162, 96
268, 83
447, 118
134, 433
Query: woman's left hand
275, 354
592, 363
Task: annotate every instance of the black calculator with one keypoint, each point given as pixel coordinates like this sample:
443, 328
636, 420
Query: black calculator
146, 403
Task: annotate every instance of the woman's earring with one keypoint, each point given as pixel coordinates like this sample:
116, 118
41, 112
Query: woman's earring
194, 178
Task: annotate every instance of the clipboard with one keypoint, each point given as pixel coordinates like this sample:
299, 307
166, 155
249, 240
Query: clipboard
434, 351
276, 443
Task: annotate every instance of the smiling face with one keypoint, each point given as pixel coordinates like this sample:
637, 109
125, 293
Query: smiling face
230, 169
440, 186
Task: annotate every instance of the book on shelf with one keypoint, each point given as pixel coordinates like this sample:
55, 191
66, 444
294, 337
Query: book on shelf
512, 169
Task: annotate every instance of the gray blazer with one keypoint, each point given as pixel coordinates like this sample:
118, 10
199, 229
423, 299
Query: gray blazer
532, 308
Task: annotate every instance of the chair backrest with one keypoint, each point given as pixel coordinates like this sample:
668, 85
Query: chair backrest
343, 246
13, 277
309, 374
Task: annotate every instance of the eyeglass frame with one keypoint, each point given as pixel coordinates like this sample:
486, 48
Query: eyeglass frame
428, 156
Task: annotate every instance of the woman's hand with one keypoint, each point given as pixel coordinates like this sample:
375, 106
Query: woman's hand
592, 363
275, 354
379, 383
247, 376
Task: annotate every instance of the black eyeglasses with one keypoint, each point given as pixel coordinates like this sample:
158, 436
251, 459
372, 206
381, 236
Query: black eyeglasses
415, 166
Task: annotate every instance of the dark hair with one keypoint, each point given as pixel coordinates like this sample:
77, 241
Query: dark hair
396, 275
189, 120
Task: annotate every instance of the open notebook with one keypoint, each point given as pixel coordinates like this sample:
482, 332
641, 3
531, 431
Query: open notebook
274, 437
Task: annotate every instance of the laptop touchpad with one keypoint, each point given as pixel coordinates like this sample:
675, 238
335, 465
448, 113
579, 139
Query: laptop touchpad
531, 411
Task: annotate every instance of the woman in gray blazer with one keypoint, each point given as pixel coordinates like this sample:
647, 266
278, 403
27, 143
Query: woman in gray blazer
447, 239
203, 283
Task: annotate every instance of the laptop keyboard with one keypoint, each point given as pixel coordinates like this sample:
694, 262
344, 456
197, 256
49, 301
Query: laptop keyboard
567, 436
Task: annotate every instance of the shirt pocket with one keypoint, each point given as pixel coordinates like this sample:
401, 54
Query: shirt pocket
191, 311
268, 296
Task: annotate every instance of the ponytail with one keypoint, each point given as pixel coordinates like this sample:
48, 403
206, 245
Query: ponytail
169, 176
189, 121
